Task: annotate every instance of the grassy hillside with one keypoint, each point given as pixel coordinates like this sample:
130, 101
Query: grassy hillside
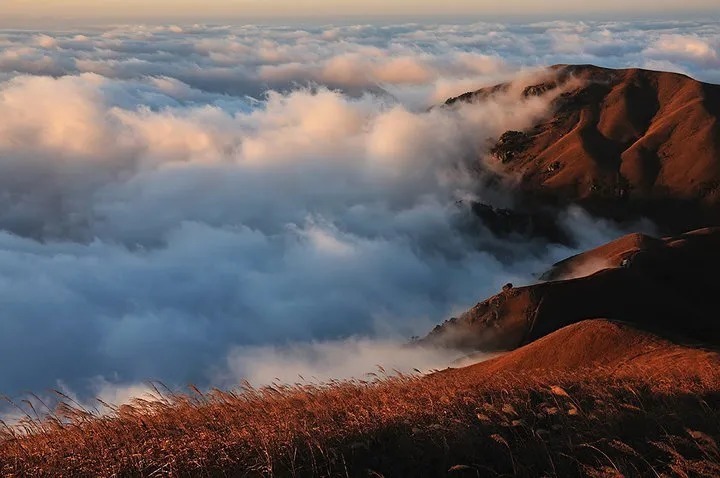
637, 413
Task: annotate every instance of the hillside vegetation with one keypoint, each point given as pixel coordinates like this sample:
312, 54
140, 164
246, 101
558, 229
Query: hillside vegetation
636, 408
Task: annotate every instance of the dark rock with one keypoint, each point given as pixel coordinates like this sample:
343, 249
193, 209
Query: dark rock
506, 222
554, 166
537, 90
509, 145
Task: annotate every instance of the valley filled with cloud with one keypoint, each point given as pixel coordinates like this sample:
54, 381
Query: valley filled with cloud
209, 204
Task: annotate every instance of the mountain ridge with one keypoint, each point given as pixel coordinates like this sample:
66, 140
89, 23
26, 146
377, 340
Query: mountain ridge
666, 286
623, 144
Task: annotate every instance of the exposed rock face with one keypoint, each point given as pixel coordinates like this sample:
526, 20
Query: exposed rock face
663, 285
621, 143
542, 224
509, 144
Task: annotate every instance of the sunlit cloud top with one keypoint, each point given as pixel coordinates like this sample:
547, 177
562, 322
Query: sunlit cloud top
180, 199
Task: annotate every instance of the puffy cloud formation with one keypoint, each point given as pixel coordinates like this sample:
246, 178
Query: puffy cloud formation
687, 48
423, 63
158, 234
201, 203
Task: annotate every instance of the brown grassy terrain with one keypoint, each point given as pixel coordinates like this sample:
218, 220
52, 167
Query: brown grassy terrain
667, 285
640, 407
623, 143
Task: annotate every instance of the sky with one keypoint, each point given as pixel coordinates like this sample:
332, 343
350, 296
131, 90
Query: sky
56, 11
208, 203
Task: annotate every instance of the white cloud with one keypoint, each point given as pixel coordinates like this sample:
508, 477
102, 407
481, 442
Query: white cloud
687, 48
163, 232
319, 362
180, 196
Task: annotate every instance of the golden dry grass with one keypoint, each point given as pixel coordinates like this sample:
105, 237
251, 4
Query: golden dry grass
592, 422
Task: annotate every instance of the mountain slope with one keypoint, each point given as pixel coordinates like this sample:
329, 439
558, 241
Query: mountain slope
622, 143
665, 285
606, 347
593, 399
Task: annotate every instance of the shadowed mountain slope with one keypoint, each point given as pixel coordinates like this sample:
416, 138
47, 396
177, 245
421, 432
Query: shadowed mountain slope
665, 285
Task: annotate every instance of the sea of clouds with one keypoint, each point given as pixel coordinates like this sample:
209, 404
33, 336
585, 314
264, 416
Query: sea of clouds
212, 203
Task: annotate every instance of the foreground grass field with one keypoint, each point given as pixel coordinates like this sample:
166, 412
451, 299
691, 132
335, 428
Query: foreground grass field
625, 418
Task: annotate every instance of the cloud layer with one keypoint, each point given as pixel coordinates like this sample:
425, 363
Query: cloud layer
429, 62
176, 203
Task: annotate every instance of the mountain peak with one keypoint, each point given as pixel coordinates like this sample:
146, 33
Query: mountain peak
623, 143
